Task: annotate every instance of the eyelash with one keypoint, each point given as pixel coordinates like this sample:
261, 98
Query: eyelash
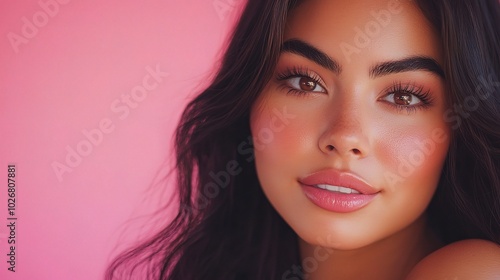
424, 96
417, 91
298, 72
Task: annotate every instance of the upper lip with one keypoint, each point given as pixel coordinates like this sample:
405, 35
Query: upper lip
337, 178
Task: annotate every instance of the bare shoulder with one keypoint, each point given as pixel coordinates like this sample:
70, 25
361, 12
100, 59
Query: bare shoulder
466, 259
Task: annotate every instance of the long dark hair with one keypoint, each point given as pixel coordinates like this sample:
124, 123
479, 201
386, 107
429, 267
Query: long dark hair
467, 201
225, 227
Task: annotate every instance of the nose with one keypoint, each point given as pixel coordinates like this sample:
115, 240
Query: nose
344, 135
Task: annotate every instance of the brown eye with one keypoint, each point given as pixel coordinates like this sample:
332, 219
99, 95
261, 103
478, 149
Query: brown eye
402, 98
305, 84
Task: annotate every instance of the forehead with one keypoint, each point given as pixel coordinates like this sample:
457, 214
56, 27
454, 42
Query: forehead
369, 31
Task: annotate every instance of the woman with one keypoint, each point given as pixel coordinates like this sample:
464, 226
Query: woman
340, 140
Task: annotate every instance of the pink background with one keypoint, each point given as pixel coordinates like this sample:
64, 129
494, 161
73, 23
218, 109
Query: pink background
61, 77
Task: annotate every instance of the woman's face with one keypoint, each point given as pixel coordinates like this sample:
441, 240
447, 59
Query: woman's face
349, 133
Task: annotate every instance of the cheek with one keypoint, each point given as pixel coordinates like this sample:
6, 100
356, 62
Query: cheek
284, 135
269, 120
412, 157
273, 136
283, 139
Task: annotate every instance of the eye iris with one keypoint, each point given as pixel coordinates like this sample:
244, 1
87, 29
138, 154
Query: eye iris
402, 98
307, 84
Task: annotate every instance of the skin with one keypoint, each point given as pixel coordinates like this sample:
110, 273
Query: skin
350, 122
465, 259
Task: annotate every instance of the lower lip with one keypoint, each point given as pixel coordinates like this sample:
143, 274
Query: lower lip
337, 202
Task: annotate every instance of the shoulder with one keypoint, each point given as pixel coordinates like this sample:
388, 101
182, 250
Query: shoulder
466, 259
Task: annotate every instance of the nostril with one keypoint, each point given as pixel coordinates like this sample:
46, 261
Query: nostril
356, 152
330, 148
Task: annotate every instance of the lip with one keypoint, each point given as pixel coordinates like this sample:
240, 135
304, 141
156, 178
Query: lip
336, 201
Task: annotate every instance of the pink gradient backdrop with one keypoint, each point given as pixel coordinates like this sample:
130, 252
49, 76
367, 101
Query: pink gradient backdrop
63, 80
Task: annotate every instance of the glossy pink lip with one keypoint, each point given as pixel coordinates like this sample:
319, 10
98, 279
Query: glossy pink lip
336, 201
337, 178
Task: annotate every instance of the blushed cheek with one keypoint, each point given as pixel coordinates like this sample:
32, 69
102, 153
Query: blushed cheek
276, 131
413, 156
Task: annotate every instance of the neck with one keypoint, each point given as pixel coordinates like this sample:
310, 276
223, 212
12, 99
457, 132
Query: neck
390, 258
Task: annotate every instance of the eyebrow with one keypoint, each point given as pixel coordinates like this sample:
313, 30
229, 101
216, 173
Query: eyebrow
412, 63
407, 64
304, 49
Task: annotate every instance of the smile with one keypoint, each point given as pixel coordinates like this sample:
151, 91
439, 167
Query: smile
338, 189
